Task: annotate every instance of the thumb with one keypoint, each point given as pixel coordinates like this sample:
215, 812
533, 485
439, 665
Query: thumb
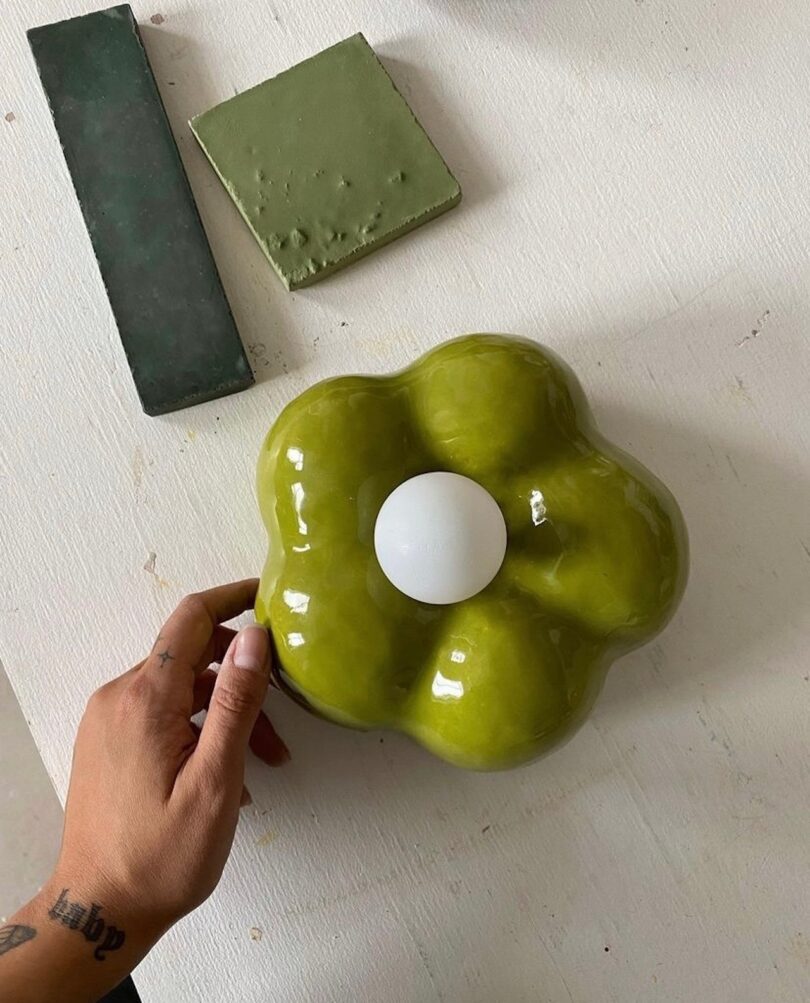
238, 694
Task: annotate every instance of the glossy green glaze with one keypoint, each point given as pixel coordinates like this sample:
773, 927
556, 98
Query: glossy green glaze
596, 559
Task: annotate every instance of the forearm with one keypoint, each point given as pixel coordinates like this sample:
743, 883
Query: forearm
152, 806
66, 944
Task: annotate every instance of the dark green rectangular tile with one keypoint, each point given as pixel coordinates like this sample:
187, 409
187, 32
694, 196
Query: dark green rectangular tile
174, 320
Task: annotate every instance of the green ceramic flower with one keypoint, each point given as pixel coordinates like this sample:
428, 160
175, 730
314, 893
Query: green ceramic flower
595, 561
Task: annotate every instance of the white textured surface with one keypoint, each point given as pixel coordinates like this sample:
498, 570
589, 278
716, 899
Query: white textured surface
636, 188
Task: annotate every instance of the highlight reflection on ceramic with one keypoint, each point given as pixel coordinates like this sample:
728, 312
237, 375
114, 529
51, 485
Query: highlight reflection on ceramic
595, 562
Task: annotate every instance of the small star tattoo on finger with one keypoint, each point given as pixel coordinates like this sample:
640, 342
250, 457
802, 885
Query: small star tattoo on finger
164, 657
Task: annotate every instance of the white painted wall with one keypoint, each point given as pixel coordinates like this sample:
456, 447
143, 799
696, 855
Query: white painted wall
636, 182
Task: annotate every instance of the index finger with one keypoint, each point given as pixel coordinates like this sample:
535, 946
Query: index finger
184, 638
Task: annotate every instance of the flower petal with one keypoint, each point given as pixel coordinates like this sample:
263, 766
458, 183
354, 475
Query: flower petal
489, 405
348, 641
609, 552
504, 683
332, 458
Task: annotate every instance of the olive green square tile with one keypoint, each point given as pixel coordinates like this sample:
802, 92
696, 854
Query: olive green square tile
326, 162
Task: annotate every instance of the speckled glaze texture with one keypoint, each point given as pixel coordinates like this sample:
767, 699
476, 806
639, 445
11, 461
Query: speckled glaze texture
596, 558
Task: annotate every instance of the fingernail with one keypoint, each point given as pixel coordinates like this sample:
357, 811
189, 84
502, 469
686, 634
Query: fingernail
250, 650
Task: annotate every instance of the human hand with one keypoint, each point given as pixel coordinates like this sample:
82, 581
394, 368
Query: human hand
153, 804
153, 801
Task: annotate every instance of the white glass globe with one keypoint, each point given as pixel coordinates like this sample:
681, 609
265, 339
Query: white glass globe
440, 538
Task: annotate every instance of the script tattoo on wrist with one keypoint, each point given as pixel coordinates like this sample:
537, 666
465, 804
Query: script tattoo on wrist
87, 921
13, 935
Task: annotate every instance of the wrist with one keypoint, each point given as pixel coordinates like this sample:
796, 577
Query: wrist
69, 947
101, 920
